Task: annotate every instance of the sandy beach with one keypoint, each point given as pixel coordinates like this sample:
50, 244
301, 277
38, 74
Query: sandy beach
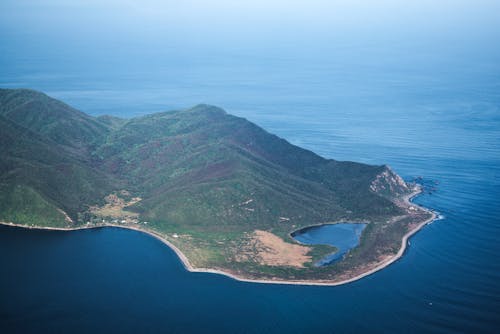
372, 269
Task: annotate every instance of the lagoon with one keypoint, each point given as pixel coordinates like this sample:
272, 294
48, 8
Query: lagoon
343, 236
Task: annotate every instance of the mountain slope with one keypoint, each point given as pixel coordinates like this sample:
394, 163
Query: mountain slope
176, 158
51, 118
55, 172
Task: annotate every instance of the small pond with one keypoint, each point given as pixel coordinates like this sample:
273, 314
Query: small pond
344, 236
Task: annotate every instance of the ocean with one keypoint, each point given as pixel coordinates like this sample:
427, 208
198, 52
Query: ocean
427, 111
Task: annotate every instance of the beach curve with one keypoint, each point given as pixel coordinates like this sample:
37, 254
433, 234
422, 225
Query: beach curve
187, 265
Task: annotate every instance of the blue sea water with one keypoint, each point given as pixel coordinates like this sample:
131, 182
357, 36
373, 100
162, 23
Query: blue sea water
344, 236
422, 96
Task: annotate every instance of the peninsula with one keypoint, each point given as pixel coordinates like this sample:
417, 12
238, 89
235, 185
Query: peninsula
219, 190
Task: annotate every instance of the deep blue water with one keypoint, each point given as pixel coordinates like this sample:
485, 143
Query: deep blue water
417, 89
344, 236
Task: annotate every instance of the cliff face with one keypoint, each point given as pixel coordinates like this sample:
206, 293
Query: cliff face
389, 184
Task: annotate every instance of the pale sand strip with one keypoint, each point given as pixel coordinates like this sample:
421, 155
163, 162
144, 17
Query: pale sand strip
189, 267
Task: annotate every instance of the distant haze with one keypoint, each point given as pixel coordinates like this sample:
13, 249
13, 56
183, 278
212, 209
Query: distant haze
93, 29
128, 57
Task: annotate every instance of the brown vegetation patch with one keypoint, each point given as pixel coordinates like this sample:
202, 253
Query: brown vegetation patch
268, 249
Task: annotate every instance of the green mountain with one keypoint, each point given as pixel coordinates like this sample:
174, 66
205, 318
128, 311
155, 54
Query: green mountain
205, 180
42, 151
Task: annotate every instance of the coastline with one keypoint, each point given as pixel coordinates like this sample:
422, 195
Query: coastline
187, 265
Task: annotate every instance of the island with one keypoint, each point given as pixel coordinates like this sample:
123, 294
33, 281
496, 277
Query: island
227, 196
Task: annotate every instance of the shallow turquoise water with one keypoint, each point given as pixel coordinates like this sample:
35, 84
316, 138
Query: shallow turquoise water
344, 236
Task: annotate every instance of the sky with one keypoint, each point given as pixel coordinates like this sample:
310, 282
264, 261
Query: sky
56, 45
277, 24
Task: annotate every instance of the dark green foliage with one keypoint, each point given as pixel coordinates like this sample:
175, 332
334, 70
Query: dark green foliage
59, 173
23, 205
51, 118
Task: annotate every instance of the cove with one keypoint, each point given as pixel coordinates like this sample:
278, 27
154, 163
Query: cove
344, 236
